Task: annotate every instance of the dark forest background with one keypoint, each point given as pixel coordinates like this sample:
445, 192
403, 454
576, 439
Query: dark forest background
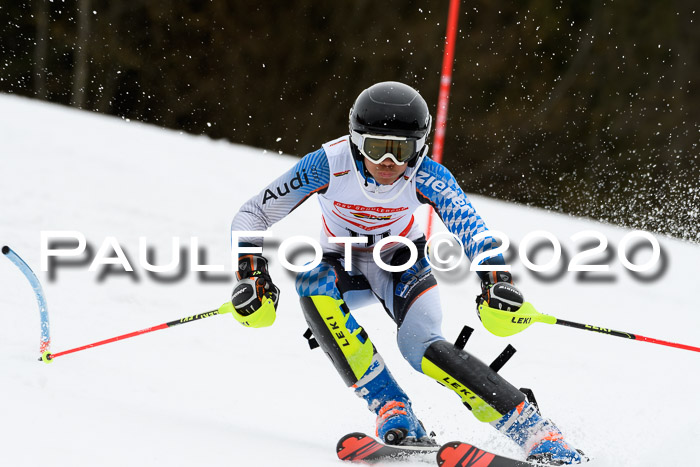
585, 107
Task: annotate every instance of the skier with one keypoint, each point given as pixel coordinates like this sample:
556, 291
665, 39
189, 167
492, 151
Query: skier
369, 183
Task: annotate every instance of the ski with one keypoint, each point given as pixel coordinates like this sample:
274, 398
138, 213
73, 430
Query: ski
458, 454
358, 447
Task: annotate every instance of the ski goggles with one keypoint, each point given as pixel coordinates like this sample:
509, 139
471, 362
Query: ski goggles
378, 148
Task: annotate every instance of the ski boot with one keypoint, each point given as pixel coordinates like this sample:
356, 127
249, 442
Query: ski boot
542, 440
396, 422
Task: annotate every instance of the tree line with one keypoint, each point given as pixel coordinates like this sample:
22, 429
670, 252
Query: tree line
589, 107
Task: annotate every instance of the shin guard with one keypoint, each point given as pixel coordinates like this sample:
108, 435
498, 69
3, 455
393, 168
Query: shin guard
360, 366
339, 335
488, 395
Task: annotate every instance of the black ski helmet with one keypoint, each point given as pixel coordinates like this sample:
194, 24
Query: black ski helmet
390, 108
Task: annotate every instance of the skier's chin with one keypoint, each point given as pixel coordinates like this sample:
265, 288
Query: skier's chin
386, 179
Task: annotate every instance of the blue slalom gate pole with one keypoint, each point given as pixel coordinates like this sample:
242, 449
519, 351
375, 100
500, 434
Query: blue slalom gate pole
38, 292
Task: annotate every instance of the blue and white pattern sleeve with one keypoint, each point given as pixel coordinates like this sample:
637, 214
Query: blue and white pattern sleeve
435, 185
310, 175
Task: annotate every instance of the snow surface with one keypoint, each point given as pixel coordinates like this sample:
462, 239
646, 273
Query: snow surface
215, 393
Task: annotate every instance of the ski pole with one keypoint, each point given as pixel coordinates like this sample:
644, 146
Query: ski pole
227, 307
626, 335
506, 323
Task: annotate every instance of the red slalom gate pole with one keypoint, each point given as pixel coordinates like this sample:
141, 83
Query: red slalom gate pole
444, 96
48, 357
